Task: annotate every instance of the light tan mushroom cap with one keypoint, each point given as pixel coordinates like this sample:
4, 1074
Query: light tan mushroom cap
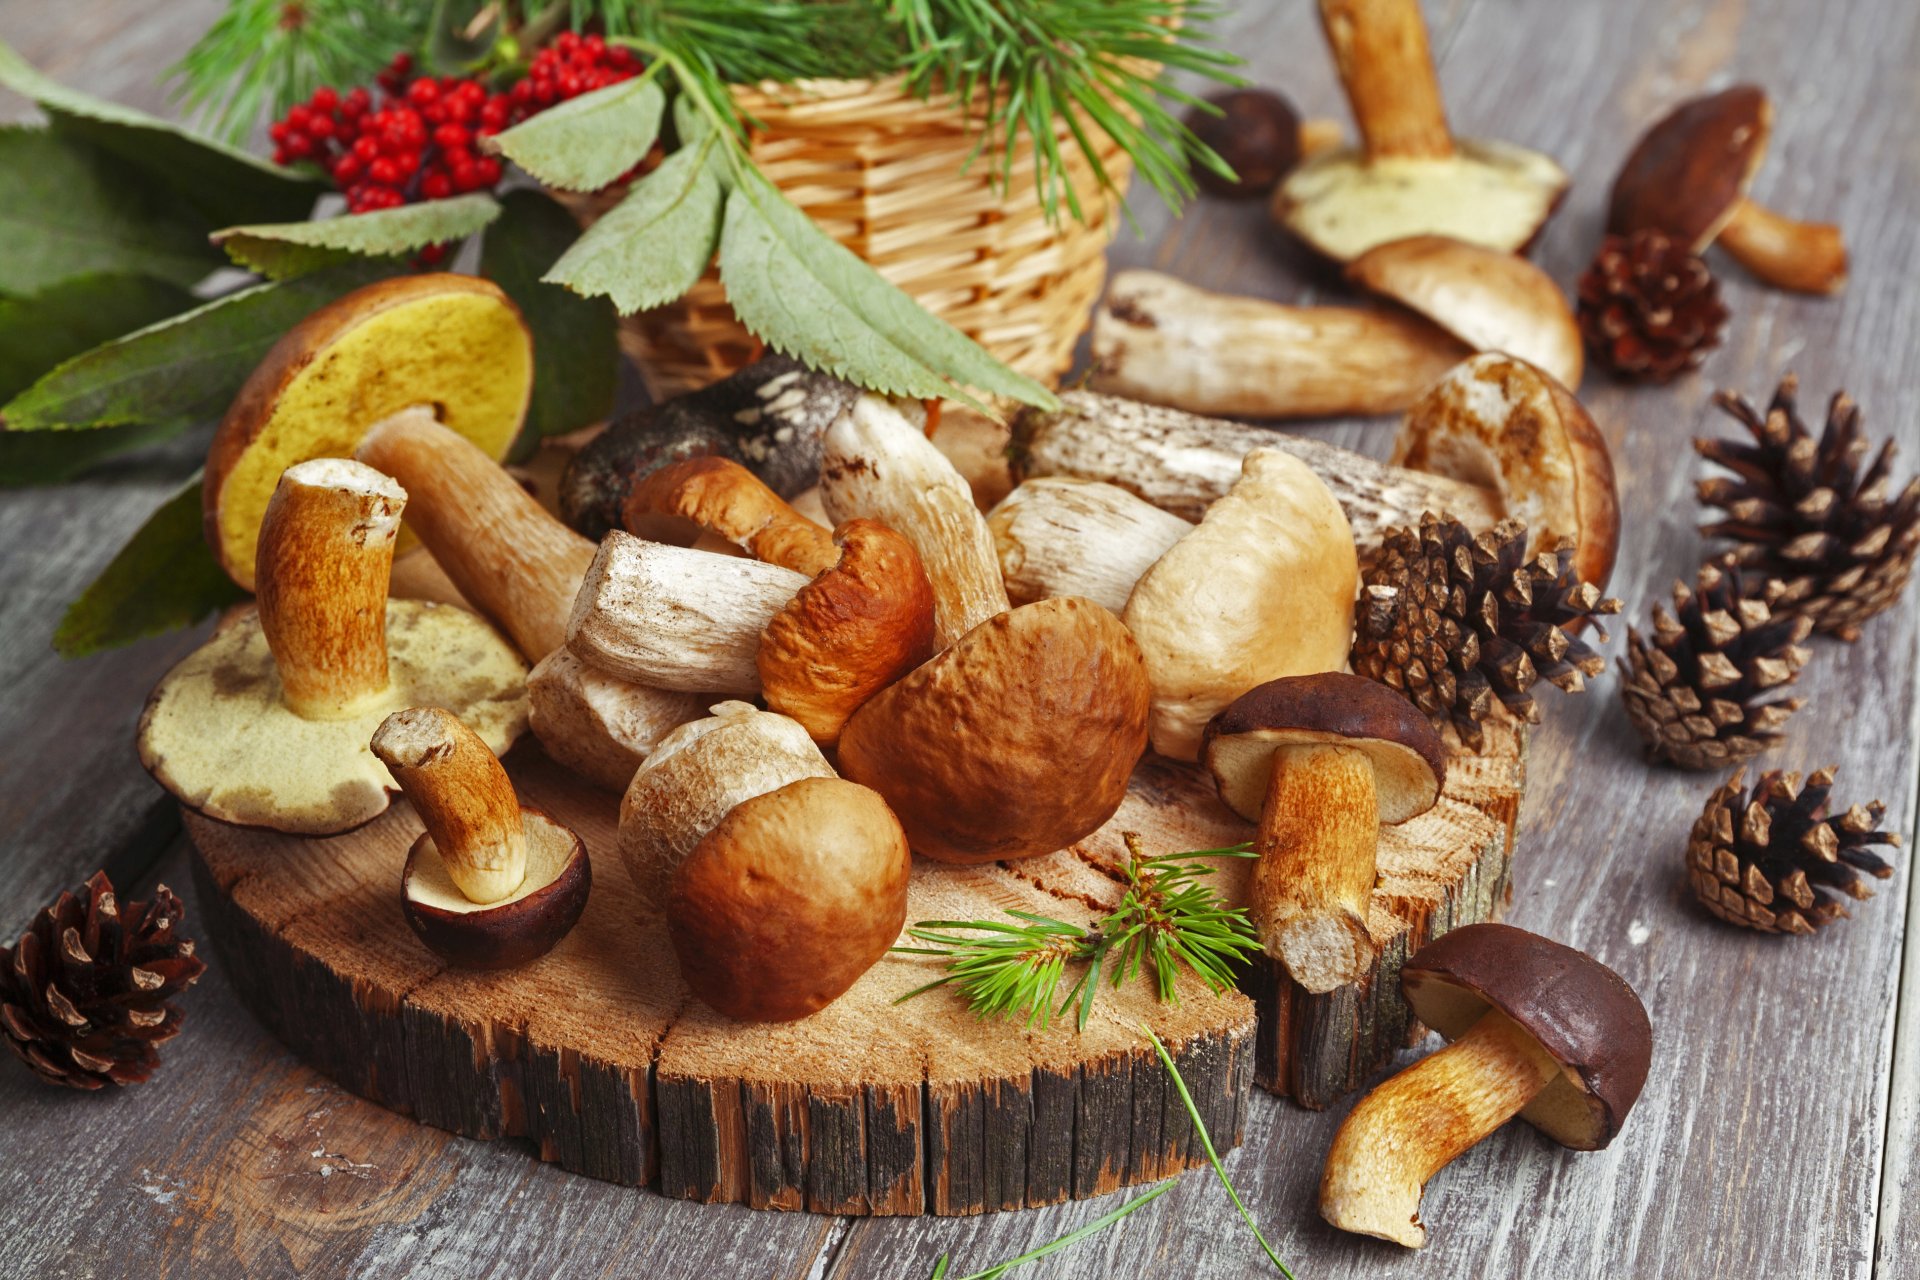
217, 735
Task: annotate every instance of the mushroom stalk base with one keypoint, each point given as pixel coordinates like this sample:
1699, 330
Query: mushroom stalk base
1422, 1119
1319, 831
463, 796
1807, 257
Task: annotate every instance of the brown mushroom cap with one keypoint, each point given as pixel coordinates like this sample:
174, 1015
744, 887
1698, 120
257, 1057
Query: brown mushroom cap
794, 895
519, 928
1330, 709
1580, 1011
1018, 740
851, 632
1688, 172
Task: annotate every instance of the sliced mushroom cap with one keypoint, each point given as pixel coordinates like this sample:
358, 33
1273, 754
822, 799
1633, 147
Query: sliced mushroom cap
521, 927
1690, 171
1583, 1013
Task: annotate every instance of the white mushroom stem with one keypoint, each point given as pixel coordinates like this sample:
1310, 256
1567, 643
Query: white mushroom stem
880, 465
1159, 339
463, 797
1420, 1120
517, 563
1810, 257
1180, 463
1060, 536
677, 618
322, 566
1319, 833
1380, 50
598, 725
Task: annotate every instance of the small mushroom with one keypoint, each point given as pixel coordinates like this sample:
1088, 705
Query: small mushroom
1536, 1029
1320, 762
488, 885
792, 896
267, 723
597, 725
1411, 176
718, 496
1688, 177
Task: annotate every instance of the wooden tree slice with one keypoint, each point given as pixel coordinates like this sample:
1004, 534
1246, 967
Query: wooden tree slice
600, 1056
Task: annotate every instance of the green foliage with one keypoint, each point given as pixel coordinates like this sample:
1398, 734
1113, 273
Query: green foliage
575, 347
286, 249
651, 247
164, 578
585, 144
1099, 1224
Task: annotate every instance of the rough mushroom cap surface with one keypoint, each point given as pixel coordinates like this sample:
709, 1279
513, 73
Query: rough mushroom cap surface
1581, 1012
454, 342
217, 734
855, 629
1330, 709
521, 927
793, 896
1018, 740
1690, 170
1262, 588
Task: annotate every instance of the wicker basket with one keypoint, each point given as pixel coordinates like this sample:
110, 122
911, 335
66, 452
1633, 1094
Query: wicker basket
887, 174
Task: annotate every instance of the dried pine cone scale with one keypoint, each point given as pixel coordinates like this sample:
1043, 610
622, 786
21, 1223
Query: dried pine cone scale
1648, 308
1801, 510
1774, 860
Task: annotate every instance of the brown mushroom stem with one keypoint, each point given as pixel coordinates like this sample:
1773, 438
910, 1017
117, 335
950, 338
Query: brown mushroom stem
1380, 49
1320, 135
1420, 1120
515, 561
720, 497
322, 566
1810, 257
463, 797
1319, 831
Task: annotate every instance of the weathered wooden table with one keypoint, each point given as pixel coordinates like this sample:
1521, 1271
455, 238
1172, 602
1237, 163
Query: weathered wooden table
1778, 1131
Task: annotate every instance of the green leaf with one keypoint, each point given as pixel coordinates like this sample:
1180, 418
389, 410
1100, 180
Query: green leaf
584, 144
652, 246
38, 332
577, 354
164, 578
70, 210
55, 457
181, 371
295, 248
809, 296
225, 183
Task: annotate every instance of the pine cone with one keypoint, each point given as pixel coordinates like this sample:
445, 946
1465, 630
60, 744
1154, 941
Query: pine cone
1771, 860
1454, 621
1801, 510
1695, 690
1648, 309
83, 994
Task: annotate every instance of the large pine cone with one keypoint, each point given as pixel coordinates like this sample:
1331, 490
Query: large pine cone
83, 994
1648, 309
1802, 511
1773, 860
1455, 621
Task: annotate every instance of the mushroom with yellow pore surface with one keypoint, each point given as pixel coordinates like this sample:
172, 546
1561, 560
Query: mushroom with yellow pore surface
267, 723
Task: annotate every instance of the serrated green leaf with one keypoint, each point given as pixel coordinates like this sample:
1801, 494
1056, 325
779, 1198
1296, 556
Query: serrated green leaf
224, 183
575, 344
70, 210
164, 578
181, 371
651, 247
58, 323
586, 143
283, 250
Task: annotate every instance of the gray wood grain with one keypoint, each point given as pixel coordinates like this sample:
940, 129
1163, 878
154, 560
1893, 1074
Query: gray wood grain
1780, 1128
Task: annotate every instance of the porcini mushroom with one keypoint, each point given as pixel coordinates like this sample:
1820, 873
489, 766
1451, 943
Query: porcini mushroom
792, 896
488, 885
1688, 177
1063, 536
720, 497
267, 723
1536, 1029
1410, 176
600, 726
1320, 762
452, 344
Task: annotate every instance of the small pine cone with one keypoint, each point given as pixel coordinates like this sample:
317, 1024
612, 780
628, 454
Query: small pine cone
1648, 309
84, 993
1803, 512
1773, 860
1696, 689
1455, 621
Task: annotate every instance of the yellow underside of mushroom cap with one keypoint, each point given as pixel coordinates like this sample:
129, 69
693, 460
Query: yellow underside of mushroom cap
218, 736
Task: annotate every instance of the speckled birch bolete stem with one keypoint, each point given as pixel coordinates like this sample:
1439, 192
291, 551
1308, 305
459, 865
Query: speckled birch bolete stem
463, 797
